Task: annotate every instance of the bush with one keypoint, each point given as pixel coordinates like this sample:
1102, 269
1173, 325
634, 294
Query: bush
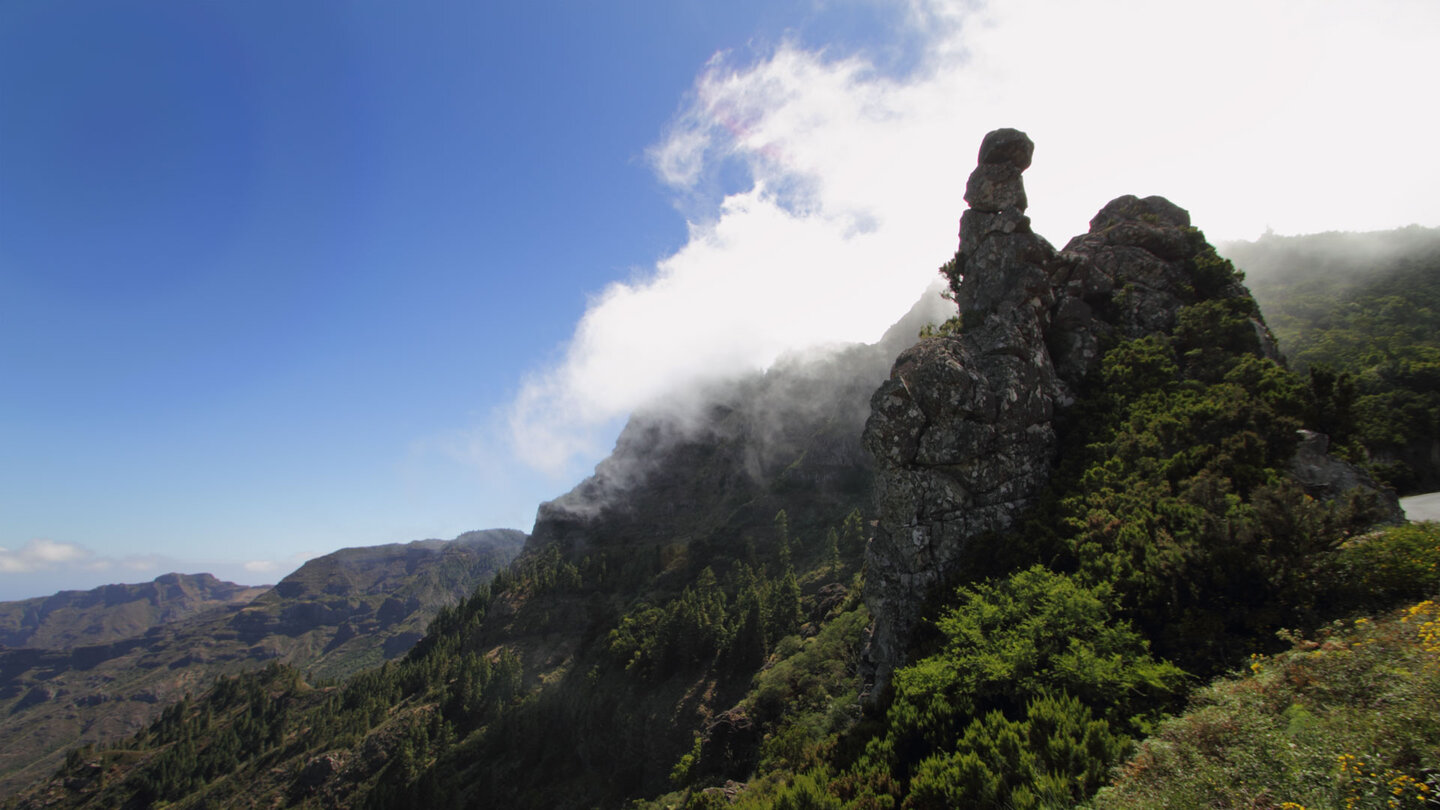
1012, 642
1346, 720
1056, 756
1382, 568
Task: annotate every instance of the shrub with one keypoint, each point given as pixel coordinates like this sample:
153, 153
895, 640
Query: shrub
1346, 720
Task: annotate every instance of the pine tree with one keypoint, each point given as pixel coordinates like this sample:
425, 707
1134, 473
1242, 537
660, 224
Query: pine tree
782, 537
832, 548
853, 533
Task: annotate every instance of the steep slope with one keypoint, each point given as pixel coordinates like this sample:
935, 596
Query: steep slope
335, 615
113, 612
637, 614
1355, 703
1084, 484
966, 428
682, 544
1360, 313
677, 475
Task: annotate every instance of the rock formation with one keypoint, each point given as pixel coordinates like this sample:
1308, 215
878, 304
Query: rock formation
963, 430
1325, 477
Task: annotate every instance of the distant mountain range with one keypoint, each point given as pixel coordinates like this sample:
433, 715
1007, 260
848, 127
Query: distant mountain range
113, 612
91, 666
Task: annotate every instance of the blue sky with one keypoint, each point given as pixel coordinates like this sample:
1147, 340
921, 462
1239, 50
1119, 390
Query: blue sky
281, 278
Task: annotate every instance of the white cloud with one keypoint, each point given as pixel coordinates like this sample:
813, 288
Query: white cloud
41, 555
42, 566
282, 566
84, 568
1304, 115
45, 555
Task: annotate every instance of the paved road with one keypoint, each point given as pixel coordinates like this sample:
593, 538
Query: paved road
1422, 507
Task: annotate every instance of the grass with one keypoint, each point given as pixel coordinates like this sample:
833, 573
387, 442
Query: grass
1348, 720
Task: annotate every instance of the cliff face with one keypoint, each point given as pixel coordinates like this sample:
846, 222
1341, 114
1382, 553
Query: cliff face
964, 430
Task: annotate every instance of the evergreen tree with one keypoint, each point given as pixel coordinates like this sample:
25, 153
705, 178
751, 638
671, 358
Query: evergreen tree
782, 537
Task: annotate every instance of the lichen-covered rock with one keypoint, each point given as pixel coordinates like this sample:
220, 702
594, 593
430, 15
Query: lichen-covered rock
995, 185
1129, 276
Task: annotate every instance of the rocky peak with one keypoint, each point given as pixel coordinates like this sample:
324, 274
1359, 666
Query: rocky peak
1002, 259
1129, 276
963, 430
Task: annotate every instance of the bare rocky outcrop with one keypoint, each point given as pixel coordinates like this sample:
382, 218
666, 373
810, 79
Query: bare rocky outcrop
1325, 477
963, 430
1129, 276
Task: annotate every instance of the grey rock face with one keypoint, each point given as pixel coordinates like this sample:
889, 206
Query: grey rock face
1008, 147
1325, 477
962, 431
1128, 277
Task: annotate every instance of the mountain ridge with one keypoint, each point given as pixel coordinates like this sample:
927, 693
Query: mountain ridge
683, 629
114, 612
373, 609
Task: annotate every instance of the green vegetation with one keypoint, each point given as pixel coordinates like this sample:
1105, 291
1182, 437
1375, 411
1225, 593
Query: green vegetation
1003, 715
453, 714
1362, 319
1346, 720
692, 648
337, 615
1171, 538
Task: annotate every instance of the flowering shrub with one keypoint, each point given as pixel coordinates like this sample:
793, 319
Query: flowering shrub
1348, 720
1383, 568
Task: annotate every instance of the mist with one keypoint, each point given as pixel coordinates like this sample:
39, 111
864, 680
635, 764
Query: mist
766, 418
1342, 256
1252, 116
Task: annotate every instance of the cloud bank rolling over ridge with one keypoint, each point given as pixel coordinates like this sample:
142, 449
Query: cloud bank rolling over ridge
1296, 116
